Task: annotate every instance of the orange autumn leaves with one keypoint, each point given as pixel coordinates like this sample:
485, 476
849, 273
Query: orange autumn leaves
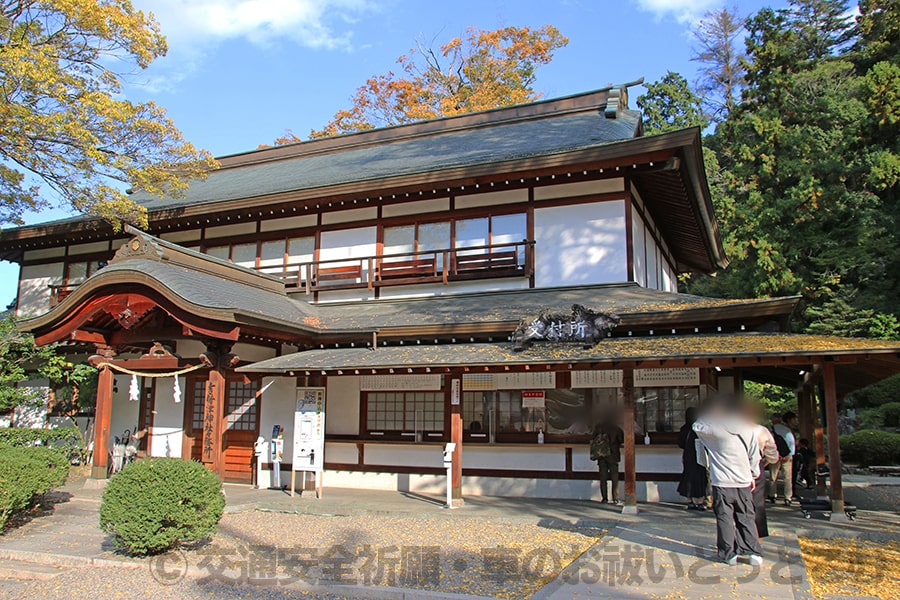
479, 71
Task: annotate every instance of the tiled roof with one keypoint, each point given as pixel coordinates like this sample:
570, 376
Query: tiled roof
490, 143
616, 349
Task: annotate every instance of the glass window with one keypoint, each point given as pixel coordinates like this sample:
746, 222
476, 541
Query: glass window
405, 411
244, 255
400, 240
471, 232
78, 272
241, 405
198, 406
301, 250
508, 229
222, 252
272, 255
662, 409
434, 236
568, 411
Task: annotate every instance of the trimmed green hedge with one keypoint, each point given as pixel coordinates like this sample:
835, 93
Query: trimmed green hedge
66, 439
871, 447
154, 504
26, 473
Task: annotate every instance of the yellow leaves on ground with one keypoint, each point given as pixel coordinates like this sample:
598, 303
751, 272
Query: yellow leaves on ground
846, 567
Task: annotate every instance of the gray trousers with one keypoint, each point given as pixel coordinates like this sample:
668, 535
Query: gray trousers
735, 523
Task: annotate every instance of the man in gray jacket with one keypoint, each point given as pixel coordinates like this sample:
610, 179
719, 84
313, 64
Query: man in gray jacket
733, 452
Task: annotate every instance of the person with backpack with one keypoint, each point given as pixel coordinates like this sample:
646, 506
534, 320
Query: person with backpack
605, 449
694, 476
782, 431
733, 453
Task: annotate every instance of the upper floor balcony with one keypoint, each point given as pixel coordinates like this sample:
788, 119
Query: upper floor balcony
443, 266
495, 261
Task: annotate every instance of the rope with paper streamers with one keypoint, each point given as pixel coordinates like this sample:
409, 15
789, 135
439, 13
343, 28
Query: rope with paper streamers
133, 393
183, 371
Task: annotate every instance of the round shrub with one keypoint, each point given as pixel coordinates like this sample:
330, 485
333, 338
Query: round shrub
871, 447
154, 504
26, 473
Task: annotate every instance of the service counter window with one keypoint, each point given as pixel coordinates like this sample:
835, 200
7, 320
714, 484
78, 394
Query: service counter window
661, 410
564, 415
417, 416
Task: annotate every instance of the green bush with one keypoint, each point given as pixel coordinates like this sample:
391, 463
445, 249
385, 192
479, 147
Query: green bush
871, 447
886, 415
66, 439
154, 504
886, 390
26, 473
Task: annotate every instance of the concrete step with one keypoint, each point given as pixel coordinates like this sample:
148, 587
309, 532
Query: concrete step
24, 570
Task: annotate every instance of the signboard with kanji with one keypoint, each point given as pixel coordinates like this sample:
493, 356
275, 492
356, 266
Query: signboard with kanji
581, 325
309, 430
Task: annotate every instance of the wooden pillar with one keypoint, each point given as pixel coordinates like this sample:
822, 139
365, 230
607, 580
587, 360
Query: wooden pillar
630, 507
102, 419
819, 433
456, 437
834, 445
219, 358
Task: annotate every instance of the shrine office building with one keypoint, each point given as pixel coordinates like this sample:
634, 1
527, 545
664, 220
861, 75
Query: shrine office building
391, 268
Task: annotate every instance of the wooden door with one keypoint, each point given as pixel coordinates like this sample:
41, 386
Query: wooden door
241, 429
192, 445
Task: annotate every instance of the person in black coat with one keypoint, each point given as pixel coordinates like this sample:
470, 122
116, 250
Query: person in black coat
694, 477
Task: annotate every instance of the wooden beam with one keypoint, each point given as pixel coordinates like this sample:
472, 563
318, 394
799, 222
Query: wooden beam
834, 444
628, 427
102, 419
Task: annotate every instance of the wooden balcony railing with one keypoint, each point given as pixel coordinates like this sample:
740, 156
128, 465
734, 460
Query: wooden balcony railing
432, 266
58, 293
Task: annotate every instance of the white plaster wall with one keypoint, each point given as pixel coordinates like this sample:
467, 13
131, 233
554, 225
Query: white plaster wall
341, 452
639, 251
652, 262
542, 457
435, 485
581, 244
277, 408
34, 287
168, 419
189, 349
252, 352
416, 455
342, 406
125, 413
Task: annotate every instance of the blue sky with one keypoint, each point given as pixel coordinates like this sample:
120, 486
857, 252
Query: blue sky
241, 72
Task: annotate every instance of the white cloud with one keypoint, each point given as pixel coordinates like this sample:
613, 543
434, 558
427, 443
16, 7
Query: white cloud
194, 28
310, 23
685, 11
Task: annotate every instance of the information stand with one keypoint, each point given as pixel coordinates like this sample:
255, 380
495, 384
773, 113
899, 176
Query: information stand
309, 437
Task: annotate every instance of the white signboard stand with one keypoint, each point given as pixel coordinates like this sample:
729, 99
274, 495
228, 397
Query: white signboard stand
309, 437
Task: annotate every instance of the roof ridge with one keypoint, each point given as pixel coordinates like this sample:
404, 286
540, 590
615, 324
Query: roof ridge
574, 103
145, 245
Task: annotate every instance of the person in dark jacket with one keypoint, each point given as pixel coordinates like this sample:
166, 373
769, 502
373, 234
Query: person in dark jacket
694, 477
608, 454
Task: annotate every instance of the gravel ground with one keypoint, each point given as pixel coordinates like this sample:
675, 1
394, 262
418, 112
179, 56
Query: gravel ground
468, 556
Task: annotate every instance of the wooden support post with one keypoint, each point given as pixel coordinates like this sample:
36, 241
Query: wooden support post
213, 426
456, 437
630, 507
102, 419
834, 445
819, 432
